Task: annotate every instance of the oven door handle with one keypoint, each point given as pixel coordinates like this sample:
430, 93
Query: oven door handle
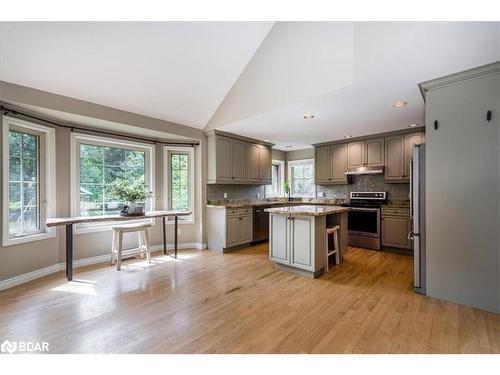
364, 209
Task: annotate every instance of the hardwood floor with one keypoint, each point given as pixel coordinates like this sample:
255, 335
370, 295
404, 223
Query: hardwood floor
239, 303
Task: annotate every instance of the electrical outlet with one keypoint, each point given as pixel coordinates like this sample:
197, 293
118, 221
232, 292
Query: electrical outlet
225, 195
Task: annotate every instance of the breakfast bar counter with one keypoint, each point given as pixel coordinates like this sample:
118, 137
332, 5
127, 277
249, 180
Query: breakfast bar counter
297, 237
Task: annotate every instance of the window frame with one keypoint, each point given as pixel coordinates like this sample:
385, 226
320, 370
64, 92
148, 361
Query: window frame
166, 182
46, 170
76, 140
292, 163
281, 174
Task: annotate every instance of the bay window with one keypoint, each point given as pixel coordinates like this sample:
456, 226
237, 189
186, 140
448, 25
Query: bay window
99, 163
28, 180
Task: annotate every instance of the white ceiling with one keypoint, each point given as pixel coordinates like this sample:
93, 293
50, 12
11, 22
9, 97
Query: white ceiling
249, 78
175, 71
389, 60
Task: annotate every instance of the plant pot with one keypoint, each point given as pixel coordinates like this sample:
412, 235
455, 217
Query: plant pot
133, 209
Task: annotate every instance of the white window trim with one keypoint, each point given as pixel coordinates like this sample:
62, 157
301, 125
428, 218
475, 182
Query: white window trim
166, 190
50, 181
76, 139
281, 164
289, 169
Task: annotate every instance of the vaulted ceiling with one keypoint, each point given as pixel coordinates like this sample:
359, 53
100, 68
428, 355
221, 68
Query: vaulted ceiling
257, 79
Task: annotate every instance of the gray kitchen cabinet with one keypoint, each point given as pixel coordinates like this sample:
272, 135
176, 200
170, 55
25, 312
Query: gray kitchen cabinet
265, 164
355, 154
366, 153
239, 161
224, 166
234, 159
374, 152
331, 164
394, 158
411, 140
228, 228
395, 232
322, 165
338, 156
253, 163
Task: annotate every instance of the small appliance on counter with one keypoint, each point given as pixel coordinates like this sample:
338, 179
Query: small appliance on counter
364, 218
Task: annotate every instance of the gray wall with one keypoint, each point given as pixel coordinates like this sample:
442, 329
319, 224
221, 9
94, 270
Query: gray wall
462, 192
32, 256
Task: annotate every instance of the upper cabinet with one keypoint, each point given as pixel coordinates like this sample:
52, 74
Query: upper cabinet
389, 150
365, 153
331, 164
238, 160
397, 156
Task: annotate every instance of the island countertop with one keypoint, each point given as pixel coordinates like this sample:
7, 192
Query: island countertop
307, 210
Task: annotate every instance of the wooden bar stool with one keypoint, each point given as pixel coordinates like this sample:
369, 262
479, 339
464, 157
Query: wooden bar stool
142, 230
332, 231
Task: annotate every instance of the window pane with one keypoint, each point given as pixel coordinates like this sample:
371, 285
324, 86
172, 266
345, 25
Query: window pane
179, 181
114, 156
15, 141
24, 215
135, 165
14, 169
113, 173
91, 154
30, 146
30, 170
90, 172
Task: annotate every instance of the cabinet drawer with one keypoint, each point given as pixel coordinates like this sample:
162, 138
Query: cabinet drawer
245, 211
232, 212
395, 211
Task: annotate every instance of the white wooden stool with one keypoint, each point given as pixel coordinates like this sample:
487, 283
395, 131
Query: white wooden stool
335, 250
142, 230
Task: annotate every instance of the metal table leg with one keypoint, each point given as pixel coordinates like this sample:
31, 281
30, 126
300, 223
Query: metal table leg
69, 252
164, 237
176, 221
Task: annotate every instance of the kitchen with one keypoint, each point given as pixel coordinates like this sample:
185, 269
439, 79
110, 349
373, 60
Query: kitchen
369, 177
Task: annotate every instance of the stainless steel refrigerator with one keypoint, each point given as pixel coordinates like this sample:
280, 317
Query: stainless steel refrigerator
417, 213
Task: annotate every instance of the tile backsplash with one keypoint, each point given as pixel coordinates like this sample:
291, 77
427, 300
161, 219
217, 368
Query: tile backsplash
367, 182
234, 191
373, 182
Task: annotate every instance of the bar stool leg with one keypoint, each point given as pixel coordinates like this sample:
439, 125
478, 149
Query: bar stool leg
119, 256
336, 243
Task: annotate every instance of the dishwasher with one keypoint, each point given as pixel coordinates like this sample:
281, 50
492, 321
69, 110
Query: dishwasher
260, 224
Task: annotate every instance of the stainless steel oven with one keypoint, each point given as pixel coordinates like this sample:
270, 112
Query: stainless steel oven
364, 219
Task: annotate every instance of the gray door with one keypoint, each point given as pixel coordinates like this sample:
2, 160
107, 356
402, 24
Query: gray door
279, 239
239, 160
232, 224
265, 162
395, 232
355, 154
245, 229
338, 157
253, 163
301, 249
374, 152
322, 164
224, 171
394, 154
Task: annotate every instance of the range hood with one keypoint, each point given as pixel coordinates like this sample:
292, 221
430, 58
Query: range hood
364, 170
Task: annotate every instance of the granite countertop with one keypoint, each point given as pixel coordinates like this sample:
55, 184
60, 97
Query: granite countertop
307, 210
245, 203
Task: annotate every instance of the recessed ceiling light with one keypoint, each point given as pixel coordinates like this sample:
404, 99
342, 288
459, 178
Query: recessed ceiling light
399, 104
267, 140
308, 116
347, 136
413, 125
288, 146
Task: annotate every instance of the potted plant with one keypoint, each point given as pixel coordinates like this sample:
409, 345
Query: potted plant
134, 194
286, 188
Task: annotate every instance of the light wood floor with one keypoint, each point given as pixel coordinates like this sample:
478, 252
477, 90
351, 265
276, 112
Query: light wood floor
239, 303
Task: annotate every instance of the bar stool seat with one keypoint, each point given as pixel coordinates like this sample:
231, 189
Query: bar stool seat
332, 231
142, 230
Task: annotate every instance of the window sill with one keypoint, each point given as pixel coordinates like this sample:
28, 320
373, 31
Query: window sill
50, 233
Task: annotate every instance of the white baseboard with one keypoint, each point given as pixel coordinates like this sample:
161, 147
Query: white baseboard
24, 278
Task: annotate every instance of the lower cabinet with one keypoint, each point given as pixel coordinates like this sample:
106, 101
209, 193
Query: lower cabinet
227, 228
291, 240
396, 226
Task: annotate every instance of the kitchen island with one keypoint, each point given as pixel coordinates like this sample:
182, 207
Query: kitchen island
297, 241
